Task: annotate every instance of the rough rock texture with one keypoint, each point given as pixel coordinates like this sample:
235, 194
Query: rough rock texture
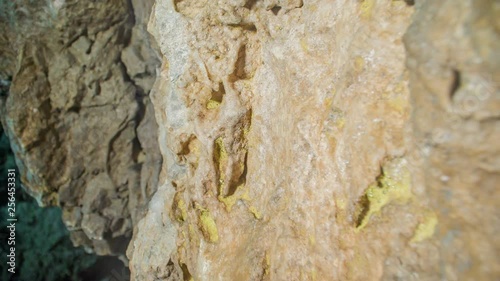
454, 84
314, 140
78, 113
301, 140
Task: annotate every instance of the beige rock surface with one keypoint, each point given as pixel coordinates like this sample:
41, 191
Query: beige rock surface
455, 76
299, 140
303, 140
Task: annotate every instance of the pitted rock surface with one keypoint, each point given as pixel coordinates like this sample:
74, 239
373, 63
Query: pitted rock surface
78, 113
312, 140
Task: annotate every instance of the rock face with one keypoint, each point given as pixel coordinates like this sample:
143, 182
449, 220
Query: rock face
454, 84
299, 140
78, 113
324, 140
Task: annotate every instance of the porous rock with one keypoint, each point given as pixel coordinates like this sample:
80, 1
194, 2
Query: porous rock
311, 140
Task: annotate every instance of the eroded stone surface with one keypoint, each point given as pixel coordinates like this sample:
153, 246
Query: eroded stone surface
301, 140
286, 131
78, 113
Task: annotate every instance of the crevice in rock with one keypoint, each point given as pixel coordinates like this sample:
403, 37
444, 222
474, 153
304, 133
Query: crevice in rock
185, 146
455, 84
141, 110
239, 66
276, 10
250, 4
363, 206
218, 95
410, 2
239, 177
186, 275
247, 26
176, 2
5, 86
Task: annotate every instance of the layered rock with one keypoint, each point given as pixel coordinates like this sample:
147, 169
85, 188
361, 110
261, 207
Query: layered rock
78, 113
286, 129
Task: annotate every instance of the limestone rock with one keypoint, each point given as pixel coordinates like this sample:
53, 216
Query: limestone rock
299, 140
295, 138
454, 71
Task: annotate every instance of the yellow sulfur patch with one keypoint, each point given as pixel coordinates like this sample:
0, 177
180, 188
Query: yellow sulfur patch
303, 44
208, 227
392, 186
367, 8
312, 240
425, 229
212, 104
254, 212
267, 264
399, 103
181, 205
241, 193
359, 63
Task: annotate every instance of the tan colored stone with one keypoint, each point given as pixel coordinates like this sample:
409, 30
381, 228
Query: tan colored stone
302, 116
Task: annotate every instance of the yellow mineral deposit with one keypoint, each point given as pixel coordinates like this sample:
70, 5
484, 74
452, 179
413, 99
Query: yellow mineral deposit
208, 227
426, 228
394, 185
213, 104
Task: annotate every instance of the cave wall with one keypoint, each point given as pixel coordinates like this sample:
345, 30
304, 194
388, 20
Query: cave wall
296, 140
78, 113
324, 140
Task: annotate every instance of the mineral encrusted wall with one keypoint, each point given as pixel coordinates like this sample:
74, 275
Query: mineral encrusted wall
301, 140
78, 112
324, 140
